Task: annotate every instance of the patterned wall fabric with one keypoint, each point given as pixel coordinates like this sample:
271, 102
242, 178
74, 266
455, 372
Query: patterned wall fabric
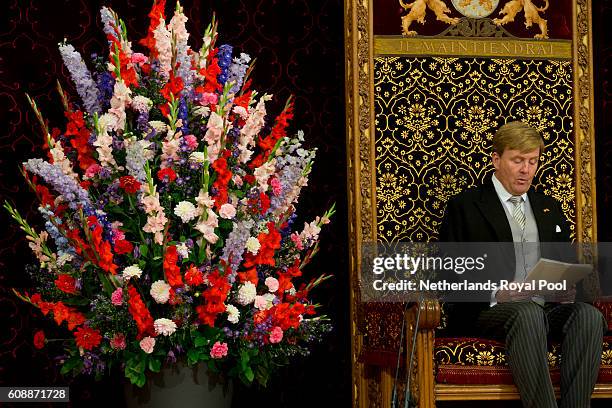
435, 119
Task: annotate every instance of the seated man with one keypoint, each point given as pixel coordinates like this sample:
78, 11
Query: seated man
505, 209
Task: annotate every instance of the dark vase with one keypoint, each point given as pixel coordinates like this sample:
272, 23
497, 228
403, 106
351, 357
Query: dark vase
180, 386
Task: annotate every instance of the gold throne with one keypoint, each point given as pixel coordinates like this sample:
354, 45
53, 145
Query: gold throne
421, 112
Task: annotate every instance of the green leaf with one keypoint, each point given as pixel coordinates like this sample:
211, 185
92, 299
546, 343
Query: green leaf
154, 365
76, 301
140, 381
248, 373
193, 356
200, 341
144, 250
70, 364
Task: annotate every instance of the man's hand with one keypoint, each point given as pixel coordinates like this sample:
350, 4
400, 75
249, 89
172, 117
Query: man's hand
566, 296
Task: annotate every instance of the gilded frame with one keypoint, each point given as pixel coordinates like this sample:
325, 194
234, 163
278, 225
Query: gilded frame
359, 91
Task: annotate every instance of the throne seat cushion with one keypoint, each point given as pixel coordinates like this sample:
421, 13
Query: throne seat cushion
474, 360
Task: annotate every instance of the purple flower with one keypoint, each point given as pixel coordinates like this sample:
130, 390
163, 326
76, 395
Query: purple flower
224, 56
72, 192
235, 244
237, 71
86, 87
106, 85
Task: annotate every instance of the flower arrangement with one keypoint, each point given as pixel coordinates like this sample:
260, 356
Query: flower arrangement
168, 207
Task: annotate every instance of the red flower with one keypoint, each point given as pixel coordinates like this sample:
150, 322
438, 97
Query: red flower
193, 276
286, 315
211, 73
173, 87
61, 312
140, 314
77, 128
243, 100
264, 203
46, 198
278, 131
129, 184
156, 15
284, 278
66, 283
166, 175
214, 298
172, 272
75, 319
270, 242
123, 247
103, 248
39, 339
223, 178
249, 179
87, 338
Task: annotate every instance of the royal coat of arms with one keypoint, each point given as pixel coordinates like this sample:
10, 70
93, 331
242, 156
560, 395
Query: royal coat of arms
475, 8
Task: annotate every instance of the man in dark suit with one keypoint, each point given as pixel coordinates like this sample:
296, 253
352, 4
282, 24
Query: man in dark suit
506, 209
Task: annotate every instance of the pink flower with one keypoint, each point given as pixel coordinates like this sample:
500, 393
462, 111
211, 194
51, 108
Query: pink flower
117, 297
261, 302
272, 284
147, 344
227, 211
277, 189
191, 141
138, 58
295, 237
92, 170
237, 180
219, 350
118, 341
208, 98
276, 335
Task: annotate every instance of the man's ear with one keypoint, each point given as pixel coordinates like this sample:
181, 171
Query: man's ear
495, 158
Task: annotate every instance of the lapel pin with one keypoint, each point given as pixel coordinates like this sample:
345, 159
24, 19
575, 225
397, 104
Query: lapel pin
546, 210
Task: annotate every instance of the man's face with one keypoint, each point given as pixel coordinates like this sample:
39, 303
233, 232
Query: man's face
515, 170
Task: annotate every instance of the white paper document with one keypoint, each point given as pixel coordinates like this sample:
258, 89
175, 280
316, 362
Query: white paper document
556, 271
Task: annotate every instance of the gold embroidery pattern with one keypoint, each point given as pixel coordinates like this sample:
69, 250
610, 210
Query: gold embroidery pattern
435, 119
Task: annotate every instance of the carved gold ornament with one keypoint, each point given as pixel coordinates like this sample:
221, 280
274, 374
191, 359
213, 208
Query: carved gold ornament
417, 13
532, 15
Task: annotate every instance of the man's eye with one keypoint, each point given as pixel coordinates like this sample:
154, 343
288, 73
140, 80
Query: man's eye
517, 161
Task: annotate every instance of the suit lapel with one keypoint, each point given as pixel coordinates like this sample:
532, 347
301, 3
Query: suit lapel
540, 214
494, 213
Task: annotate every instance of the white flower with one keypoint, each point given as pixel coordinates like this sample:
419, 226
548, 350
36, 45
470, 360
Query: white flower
159, 126
241, 111
246, 293
227, 211
160, 291
141, 103
253, 245
197, 157
186, 211
233, 314
202, 111
164, 326
132, 271
183, 250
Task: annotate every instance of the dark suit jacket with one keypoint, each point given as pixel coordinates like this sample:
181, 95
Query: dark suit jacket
477, 215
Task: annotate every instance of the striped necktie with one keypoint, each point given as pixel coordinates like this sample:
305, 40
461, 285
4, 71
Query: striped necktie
517, 211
